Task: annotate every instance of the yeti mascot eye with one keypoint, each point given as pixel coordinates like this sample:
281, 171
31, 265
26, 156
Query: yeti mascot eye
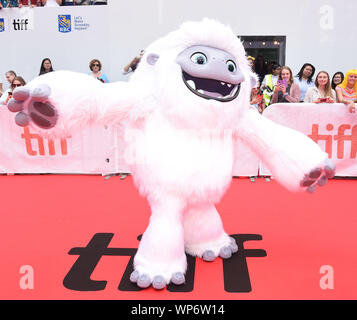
199, 58
231, 66
210, 73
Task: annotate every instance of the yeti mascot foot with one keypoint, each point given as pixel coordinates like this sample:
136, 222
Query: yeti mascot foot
182, 109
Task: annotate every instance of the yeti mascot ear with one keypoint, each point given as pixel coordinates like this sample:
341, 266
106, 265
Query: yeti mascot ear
152, 58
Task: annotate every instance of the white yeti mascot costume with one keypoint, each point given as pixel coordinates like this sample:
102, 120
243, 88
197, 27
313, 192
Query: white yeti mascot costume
181, 110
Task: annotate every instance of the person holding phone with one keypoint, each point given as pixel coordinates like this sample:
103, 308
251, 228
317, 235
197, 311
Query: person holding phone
9, 75
133, 64
322, 91
347, 90
286, 91
16, 82
256, 99
269, 83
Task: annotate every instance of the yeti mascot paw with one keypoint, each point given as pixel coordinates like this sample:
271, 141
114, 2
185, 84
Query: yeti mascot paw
181, 110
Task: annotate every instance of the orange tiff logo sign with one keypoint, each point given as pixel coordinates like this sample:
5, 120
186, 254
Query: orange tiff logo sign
28, 136
344, 133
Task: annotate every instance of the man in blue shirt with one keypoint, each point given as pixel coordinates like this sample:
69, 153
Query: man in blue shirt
8, 3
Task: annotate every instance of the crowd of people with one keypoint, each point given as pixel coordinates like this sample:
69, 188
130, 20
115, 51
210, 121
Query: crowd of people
277, 84
15, 80
95, 67
49, 3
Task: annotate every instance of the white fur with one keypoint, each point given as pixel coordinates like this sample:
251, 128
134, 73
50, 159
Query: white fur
180, 146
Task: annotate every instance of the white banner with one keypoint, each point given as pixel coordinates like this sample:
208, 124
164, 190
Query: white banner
331, 126
91, 150
95, 150
101, 150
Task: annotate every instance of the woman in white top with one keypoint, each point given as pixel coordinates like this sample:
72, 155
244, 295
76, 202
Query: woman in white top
322, 92
51, 3
304, 79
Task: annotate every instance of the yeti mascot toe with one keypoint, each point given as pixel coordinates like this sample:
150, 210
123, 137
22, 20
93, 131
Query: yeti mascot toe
181, 110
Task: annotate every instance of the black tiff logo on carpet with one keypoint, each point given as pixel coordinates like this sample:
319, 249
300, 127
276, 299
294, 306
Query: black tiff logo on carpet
235, 269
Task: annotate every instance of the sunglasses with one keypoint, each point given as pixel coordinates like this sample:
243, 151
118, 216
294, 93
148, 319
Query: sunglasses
95, 65
17, 85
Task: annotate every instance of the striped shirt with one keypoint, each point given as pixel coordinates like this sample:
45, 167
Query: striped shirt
347, 94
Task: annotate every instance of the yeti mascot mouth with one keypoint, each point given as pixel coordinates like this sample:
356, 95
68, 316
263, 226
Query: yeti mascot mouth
195, 78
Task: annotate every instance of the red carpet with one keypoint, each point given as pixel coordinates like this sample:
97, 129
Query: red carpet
44, 217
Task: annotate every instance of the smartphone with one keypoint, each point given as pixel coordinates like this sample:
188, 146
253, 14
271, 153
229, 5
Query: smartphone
283, 82
323, 99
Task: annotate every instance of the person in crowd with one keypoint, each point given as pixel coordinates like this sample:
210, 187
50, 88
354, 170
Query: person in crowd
251, 62
286, 90
16, 82
133, 64
270, 65
337, 79
260, 67
269, 83
96, 66
51, 3
46, 66
9, 75
31, 3
322, 91
69, 2
347, 90
304, 79
99, 2
256, 98
5, 96
8, 3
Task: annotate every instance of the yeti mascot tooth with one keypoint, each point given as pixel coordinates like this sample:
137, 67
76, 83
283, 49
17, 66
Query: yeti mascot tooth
182, 109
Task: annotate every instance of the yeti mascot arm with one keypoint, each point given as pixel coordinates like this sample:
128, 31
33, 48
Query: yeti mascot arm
181, 109
58, 103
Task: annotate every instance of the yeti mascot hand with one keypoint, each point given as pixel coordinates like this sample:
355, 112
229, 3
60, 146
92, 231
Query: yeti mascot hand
181, 110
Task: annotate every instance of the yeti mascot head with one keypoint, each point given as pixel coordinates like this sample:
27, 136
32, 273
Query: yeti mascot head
199, 75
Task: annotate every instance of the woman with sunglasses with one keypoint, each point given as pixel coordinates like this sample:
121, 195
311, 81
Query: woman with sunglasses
16, 82
95, 66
